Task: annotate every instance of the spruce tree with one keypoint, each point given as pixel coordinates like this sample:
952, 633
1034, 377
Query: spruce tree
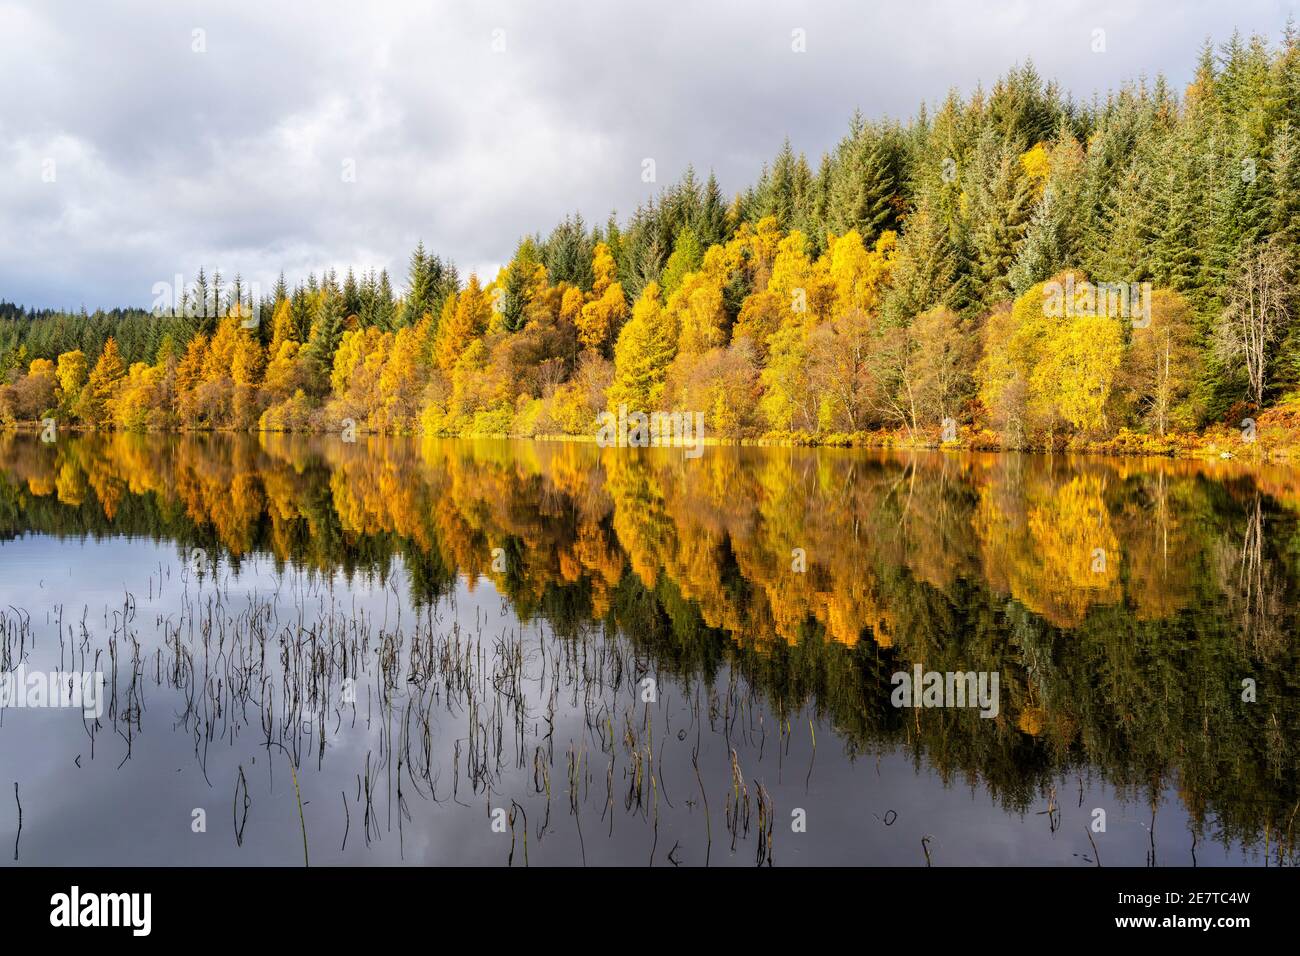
419, 287
925, 271
999, 215
712, 228
864, 183
326, 333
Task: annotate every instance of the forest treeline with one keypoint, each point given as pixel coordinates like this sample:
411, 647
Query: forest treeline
900, 285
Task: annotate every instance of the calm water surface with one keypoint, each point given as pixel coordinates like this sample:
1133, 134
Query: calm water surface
508, 653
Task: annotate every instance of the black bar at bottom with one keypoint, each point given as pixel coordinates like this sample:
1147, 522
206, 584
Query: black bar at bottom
333, 906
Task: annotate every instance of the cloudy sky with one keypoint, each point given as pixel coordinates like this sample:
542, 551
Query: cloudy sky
140, 140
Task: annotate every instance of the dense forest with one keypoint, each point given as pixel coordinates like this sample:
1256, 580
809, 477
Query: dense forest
901, 290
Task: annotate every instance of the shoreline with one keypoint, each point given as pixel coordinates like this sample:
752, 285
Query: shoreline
1211, 445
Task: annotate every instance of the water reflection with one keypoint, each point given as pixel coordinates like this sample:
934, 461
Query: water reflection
770, 592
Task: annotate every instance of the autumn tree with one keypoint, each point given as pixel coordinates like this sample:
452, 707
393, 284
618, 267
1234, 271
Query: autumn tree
760, 316
687, 257
697, 309
1160, 367
606, 308
1076, 373
34, 394
944, 352
465, 318
645, 347
1257, 311
843, 371
71, 372
789, 402
101, 385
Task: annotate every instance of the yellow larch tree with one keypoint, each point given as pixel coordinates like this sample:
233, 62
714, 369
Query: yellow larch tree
606, 309
465, 318
645, 347
102, 385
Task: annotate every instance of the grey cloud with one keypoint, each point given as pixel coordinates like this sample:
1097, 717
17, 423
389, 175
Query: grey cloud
168, 159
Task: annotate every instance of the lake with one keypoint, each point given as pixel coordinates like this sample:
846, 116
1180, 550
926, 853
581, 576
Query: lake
511, 653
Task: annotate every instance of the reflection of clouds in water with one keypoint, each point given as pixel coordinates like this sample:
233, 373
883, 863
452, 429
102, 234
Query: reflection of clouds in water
960, 562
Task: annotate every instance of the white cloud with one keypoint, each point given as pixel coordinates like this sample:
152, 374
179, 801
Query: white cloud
168, 159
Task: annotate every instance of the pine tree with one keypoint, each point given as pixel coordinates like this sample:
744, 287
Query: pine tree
204, 323
925, 270
712, 228
351, 295
781, 194
1173, 255
1284, 172
384, 307
815, 221
419, 287
217, 310
326, 333
524, 276
645, 347
863, 184
1043, 253
567, 253
999, 215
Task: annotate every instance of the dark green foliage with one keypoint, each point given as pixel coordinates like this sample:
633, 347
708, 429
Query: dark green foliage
567, 253
429, 282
